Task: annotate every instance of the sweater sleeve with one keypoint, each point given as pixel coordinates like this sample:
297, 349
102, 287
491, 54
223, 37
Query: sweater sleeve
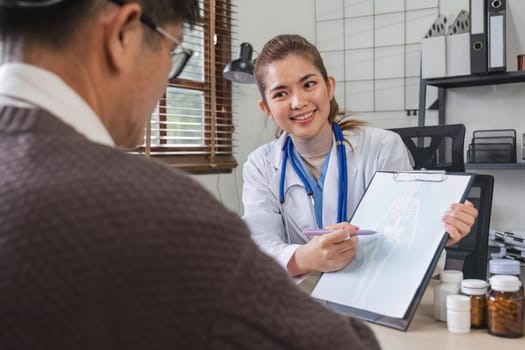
263, 309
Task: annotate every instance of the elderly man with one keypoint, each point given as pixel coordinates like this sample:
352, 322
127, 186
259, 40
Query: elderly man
100, 249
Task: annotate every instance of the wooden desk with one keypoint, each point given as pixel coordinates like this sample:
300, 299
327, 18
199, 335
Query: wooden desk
425, 333
428, 334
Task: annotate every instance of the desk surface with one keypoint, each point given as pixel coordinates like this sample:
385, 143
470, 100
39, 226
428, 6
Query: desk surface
428, 334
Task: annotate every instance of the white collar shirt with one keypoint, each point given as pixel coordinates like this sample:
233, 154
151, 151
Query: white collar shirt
27, 86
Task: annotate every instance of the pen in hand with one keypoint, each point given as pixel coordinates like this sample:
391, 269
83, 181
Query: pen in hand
323, 231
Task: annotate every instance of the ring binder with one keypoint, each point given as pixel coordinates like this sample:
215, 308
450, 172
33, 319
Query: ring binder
420, 175
478, 37
496, 35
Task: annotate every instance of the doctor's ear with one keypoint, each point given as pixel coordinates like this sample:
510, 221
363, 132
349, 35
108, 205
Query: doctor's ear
264, 109
331, 86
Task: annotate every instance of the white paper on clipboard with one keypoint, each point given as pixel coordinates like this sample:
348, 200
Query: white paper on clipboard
406, 210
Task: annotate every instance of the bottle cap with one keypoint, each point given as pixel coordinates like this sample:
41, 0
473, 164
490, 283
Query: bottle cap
458, 302
505, 283
474, 287
451, 276
504, 267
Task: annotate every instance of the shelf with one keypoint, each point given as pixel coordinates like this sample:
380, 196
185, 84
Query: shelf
477, 80
494, 165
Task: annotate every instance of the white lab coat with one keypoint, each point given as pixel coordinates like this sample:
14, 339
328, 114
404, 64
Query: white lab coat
372, 150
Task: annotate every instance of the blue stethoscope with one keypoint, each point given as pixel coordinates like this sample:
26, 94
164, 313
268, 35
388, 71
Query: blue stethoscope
343, 177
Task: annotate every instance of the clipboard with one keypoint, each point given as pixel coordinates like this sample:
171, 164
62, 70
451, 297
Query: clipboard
386, 281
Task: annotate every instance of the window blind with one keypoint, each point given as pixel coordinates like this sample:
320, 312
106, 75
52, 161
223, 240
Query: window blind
192, 125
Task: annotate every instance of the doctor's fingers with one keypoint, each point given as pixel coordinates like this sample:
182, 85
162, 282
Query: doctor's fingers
335, 237
461, 217
456, 229
332, 252
467, 207
349, 243
343, 226
349, 255
454, 235
347, 246
465, 212
343, 259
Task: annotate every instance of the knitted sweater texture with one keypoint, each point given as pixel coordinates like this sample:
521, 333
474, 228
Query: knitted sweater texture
100, 249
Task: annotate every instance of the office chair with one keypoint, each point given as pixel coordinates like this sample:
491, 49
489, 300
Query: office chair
441, 148
438, 147
470, 255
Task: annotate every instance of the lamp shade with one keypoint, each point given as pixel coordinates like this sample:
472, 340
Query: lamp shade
240, 70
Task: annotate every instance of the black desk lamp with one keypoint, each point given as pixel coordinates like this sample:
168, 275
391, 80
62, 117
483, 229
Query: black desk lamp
241, 69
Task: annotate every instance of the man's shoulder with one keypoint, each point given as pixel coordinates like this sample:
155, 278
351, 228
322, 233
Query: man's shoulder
103, 173
147, 195
134, 173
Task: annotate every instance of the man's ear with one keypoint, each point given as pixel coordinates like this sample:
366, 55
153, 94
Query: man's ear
264, 109
123, 35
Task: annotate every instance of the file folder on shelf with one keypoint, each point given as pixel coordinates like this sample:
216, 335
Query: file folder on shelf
496, 35
433, 50
478, 37
458, 46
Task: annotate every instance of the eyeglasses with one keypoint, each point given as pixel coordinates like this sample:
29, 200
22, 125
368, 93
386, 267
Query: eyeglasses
179, 56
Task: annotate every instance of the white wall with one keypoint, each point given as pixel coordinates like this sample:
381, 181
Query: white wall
486, 107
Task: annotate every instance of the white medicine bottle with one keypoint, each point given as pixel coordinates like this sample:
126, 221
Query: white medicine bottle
458, 313
450, 283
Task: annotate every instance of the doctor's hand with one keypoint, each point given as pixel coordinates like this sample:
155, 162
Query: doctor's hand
459, 220
329, 252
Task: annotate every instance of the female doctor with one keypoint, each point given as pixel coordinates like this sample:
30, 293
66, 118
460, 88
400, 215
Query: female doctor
315, 173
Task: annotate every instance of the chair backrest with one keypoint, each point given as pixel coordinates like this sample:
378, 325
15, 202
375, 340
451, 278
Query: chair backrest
438, 147
470, 255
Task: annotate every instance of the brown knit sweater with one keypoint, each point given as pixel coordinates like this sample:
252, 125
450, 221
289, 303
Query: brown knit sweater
104, 250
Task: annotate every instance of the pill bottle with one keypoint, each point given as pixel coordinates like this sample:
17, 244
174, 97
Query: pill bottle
458, 313
505, 267
476, 290
450, 283
505, 307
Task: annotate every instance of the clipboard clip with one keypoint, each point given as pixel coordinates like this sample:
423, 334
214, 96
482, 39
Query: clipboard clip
420, 175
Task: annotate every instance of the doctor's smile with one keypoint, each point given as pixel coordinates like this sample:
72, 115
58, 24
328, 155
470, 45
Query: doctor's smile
303, 118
